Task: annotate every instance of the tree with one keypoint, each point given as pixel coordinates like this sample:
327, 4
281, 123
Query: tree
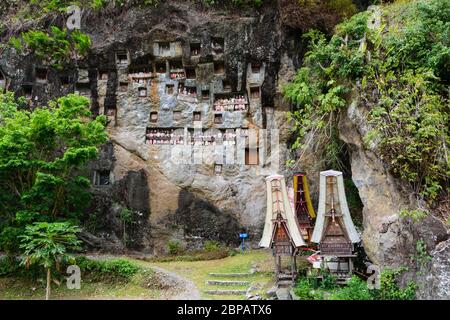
47, 244
126, 216
398, 79
42, 156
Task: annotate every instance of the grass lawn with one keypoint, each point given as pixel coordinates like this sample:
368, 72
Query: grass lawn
198, 271
137, 288
145, 285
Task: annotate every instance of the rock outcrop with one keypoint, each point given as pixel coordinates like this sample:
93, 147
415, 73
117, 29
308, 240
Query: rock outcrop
389, 239
157, 69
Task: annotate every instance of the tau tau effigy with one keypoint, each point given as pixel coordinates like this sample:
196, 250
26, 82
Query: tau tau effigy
281, 232
334, 230
303, 208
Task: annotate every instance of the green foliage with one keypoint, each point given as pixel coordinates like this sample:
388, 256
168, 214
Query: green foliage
211, 245
303, 266
174, 247
401, 77
104, 270
8, 239
8, 266
13, 267
126, 215
421, 257
98, 4
41, 154
355, 289
114, 270
15, 43
56, 47
46, 244
410, 127
328, 282
310, 288
389, 289
304, 290
52, 5
415, 215
319, 89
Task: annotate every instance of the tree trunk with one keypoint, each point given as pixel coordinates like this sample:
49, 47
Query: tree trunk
47, 290
124, 235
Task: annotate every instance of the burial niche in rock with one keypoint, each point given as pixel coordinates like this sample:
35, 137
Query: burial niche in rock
41, 75
102, 178
195, 49
153, 117
122, 58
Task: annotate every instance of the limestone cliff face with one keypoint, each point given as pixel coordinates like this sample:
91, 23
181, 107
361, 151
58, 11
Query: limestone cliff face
141, 61
187, 198
156, 69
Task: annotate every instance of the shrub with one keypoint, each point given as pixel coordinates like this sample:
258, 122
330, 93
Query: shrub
42, 154
9, 266
355, 289
104, 270
305, 291
211, 245
9, 239
400, 76
98, 4
174, 247
389, 289
115, 270
328, 282
415, 215
56, 47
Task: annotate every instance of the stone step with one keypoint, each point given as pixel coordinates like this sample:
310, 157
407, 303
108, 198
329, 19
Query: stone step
284, 276
283, 294
231, 275
226, 292
227, 283
284, 283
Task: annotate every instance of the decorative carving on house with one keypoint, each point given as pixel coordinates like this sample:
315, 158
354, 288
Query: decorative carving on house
303, 208
334, 231
281, 232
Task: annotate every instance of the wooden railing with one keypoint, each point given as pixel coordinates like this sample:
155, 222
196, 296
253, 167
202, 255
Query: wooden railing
336, 248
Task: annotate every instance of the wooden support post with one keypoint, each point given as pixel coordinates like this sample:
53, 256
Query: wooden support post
292, 269
295, 264
350, 266
276, 266
279, 264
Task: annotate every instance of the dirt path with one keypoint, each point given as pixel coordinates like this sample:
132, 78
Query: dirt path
180, 287
175, 287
